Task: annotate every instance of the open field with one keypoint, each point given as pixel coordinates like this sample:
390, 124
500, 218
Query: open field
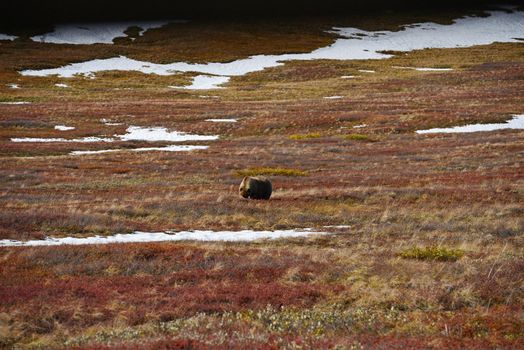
430, 248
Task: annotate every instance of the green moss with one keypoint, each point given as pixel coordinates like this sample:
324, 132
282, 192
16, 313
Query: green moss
432, 253
270, 171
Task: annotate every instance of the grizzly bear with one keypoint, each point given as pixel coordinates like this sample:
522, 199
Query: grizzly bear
256, 187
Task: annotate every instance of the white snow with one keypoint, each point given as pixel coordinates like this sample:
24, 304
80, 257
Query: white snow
55, 139
16, 103
499, 26
425, 69
134, 133
517, 122
347, 77
333, 97
93, 33
205, 82
366, 71
13, 86
140, 237
139, 133
62, 85
225, 120
434, 69
172, 148
63, 127
7, 37
107, 122
359, 126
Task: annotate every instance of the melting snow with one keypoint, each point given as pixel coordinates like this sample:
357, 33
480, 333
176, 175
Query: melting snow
366, 71
333, 97
221, 120
205, 82
13, 86
139, 133
134, 133
517, 122
499, 26
7, 37
139, 237
359, 126
53, 139
63, 127
172, 148
347, 76
62, 85
16, 103
424, 69
93, 33
107, 122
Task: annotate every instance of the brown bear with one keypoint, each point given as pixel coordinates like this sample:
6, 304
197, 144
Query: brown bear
256, 187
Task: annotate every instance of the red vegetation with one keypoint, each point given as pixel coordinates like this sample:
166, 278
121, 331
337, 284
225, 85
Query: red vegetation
154, 282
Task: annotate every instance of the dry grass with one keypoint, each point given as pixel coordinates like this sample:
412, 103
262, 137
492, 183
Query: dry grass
270, 171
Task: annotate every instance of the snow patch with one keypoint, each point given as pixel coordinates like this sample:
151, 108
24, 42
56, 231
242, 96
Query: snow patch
517, 122
333, 97
360, 126
13, 86
62, 85
134, 133
138, 133
16, 103
205, 82
425, 69
225, 120
499, 26
366, 71
141, 237
93, 33
109, 123
88, 139
7, 37
347, 77
63, 127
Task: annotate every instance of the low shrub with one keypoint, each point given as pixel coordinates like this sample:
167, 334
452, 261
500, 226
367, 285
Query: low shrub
432, 253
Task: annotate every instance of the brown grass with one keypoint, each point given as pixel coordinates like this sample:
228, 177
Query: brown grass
270, 171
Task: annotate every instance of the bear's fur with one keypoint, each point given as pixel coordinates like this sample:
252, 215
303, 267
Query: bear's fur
255, 187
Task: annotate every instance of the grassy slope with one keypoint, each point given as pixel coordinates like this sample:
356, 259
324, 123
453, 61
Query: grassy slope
400, 192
